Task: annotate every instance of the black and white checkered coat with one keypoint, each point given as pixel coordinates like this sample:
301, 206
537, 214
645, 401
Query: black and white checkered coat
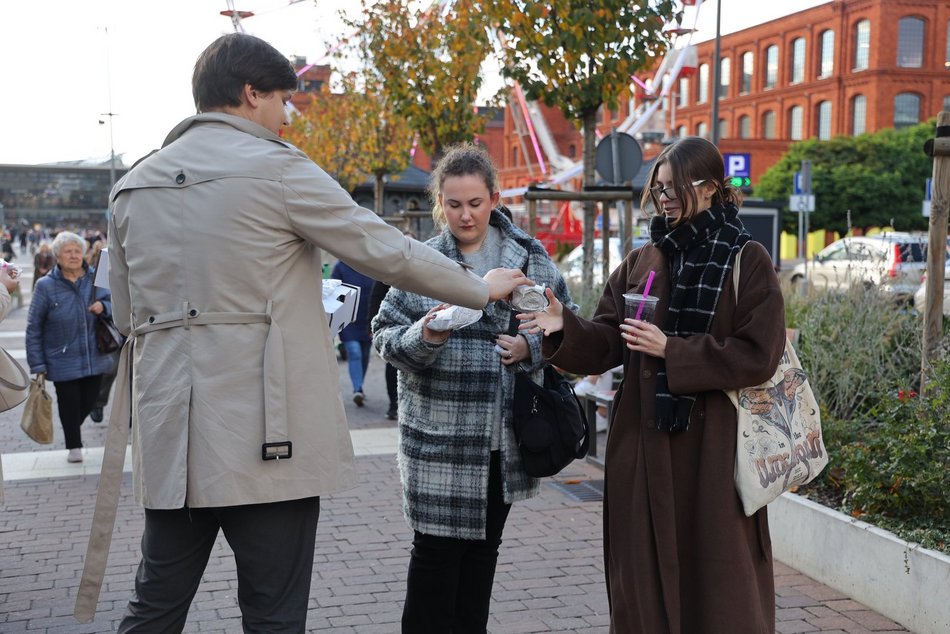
447, 397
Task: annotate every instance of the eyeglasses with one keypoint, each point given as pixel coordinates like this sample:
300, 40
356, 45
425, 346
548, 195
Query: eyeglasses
670, 190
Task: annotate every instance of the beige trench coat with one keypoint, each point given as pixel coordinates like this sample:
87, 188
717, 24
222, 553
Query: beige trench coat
227, 218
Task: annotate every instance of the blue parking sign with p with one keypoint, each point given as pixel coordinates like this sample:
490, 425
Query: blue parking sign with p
738, 165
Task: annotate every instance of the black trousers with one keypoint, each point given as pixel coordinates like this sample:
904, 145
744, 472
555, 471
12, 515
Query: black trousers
450, 580
105, 386
74, 400
273, 549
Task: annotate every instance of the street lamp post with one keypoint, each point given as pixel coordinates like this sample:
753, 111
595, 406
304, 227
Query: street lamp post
716, 78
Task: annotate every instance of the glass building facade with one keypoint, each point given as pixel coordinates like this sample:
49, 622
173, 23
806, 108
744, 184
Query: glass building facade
55, 194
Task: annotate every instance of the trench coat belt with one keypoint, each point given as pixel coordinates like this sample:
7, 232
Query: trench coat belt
117, 436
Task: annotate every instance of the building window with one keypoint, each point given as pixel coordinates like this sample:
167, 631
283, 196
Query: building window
571, 150
946, 58
684, 92
701, 130
798, 61
859, 113
748, 61
514, 156
824, 120
768, 125
771, 66
723, 128
745, 127
906, 110
862, 44
796, 117
725, 68
682, 132
827, 54
946, 103
910, 42
702, 95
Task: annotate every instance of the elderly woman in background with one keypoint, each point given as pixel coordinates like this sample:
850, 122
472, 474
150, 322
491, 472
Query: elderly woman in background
61, 335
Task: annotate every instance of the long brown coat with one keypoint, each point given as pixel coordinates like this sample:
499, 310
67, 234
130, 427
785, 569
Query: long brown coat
681, 556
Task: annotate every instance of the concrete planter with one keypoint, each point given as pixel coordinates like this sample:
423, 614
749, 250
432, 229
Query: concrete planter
900, 580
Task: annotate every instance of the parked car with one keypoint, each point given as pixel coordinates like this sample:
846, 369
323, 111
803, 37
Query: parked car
919, 296
893, 262
572, 264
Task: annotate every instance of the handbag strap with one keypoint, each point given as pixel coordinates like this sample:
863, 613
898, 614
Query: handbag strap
23, 375
735, 273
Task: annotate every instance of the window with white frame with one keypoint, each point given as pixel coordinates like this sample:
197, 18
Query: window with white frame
745, 127
906, 110
768, 124
862, 44
859, 114
725, 69
683, 92
702, 130
682, 132
827, 66
910, 42
702, 95
771, 66
824, 120
798, 60
796, 120
748, 62
723, 128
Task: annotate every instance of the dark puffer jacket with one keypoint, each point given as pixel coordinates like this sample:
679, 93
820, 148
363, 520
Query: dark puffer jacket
60, 330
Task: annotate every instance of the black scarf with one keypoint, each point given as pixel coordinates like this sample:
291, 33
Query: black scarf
700, 254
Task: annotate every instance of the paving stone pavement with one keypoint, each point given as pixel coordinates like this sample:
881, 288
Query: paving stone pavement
550, 574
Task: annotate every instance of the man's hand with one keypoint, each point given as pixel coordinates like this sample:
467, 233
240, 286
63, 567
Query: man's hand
502, 281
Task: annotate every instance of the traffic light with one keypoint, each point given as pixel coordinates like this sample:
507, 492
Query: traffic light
740, 181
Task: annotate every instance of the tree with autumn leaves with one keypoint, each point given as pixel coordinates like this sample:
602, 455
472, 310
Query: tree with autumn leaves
429, 62
577, 56
353, 134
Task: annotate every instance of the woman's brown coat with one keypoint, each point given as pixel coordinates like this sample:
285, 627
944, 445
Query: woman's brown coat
681, 556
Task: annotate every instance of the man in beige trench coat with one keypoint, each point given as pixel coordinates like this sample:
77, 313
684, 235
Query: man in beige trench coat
237, 415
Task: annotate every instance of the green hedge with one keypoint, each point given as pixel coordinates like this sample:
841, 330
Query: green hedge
889, 448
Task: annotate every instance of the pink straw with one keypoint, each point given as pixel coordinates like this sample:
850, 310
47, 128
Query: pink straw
646, 291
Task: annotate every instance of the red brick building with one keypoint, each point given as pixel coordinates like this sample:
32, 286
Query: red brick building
842, 68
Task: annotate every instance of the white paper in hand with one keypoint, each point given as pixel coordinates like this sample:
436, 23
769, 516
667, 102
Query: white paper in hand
453, 318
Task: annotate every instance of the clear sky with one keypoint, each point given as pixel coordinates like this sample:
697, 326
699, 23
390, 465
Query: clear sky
62, 61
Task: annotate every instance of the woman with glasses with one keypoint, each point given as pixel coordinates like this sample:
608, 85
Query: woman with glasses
681, 556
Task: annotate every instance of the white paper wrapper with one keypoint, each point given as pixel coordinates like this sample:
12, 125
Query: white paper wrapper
453, 318
530, 299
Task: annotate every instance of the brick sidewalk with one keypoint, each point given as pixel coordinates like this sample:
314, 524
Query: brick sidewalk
549, 579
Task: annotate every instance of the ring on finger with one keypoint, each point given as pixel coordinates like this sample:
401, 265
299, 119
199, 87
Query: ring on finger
509, 354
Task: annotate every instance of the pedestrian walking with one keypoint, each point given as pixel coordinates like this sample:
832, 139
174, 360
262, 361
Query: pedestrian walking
7, 286
215, 251
459, 462
43, 262
681, 556
61, 336
355, 336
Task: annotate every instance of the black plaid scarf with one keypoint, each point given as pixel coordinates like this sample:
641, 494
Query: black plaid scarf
700, 254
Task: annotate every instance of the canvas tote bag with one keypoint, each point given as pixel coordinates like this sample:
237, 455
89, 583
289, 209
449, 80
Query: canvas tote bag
14, 382
779, 444
37, 420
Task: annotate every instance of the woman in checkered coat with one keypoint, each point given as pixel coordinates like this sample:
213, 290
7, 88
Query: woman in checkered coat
458, 458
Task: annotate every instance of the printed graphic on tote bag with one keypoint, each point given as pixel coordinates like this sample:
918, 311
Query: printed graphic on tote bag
786, 429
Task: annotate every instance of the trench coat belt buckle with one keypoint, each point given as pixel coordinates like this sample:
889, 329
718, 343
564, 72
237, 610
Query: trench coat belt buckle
276, 445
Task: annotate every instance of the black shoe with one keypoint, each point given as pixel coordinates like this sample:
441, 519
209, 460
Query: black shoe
96, 414
358, 398
391, 414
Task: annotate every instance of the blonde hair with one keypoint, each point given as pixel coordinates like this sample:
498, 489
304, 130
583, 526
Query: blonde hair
460, 160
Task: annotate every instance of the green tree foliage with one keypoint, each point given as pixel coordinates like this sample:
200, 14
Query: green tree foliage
577, 56
429, 63
878, 177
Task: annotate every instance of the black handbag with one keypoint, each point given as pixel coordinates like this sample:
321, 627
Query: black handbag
108, 337
550, 424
